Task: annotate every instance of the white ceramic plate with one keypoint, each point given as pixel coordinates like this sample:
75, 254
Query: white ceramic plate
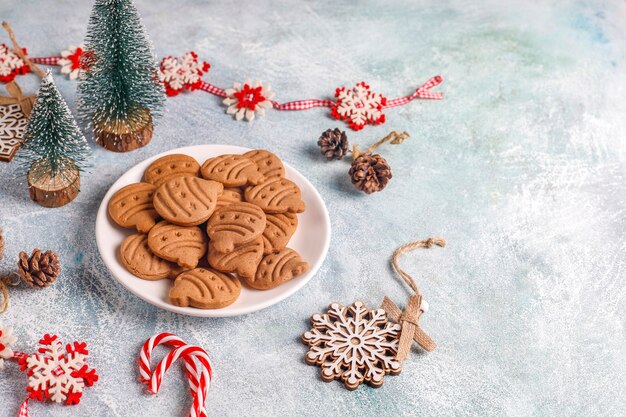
311, 240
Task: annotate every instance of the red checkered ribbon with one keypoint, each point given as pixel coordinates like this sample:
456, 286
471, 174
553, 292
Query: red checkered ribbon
302, 104
197, 366
23, 409
210, 88
421, 92
48, 60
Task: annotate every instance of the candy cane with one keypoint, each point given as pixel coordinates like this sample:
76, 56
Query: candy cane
197, 364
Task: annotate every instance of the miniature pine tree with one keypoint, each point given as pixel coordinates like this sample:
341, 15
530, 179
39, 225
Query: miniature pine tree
54, 149
119, 93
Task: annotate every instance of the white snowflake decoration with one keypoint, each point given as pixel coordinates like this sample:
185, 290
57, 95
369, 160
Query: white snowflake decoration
57, 373
70, 61
182, 73
6, 341
248, 100
12, 127
10, 64
353, 344
359, 106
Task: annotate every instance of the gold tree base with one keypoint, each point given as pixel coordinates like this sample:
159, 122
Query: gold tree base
125, 136
54, 192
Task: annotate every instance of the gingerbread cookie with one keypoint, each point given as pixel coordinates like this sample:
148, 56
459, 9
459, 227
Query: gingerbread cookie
171, 166
277, 268
269, 164
132, 207
231, 170
243, 260
140, 261
236, 224
204, 288
230, 196
187, 201
184, 245
278, 230
276, 195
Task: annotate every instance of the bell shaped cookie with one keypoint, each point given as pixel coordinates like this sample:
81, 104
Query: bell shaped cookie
231, 170
184, 245
171, 166
132, 206
187, 201
276, 195
277, 268
234, 225
204, 288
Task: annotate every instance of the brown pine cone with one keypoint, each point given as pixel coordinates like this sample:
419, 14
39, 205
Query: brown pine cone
334, 144
370, 173
40, 270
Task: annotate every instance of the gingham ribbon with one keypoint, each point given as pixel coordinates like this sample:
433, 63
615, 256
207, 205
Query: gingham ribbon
210, 88
48, 60
197, 365
23, 409
421, 92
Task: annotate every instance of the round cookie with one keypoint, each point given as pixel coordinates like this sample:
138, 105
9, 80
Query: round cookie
277, 268
204, 288
278, 230
187, 201
243, 260
171, 166
269, 164
276, 195
229, 196
132, 206
236, 224
139, 260
184, 245
231, 170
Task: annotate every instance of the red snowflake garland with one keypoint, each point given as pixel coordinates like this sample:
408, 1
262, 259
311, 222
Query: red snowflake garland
11, 65
358, 106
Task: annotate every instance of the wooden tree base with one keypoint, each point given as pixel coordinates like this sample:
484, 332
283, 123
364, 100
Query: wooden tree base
54, 192
126, 136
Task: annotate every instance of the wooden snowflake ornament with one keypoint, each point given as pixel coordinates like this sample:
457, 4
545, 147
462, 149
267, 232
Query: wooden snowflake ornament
57, 373
354, 345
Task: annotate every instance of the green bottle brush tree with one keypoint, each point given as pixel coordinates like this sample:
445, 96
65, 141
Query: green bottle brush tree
119, 93
54, 151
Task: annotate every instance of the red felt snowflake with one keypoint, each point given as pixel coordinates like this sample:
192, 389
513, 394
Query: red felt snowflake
11, 64
359, 106
184, 73
72, 61
58, 374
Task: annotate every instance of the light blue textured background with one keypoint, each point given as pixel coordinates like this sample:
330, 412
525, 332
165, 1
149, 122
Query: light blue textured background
522, 168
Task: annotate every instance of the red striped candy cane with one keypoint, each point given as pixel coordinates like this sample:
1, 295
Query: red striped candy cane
197, 364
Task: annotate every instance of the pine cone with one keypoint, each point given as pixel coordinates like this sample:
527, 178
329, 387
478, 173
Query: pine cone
334, 144
40, 270
370, 173
1, 244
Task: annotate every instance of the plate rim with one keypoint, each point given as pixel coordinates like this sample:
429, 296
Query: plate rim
102, 219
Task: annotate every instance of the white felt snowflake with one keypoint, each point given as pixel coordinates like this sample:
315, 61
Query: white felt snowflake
353, 344
182, 73
10, 64
57, 373
359, 106
248, 99
6, 341
70, 61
